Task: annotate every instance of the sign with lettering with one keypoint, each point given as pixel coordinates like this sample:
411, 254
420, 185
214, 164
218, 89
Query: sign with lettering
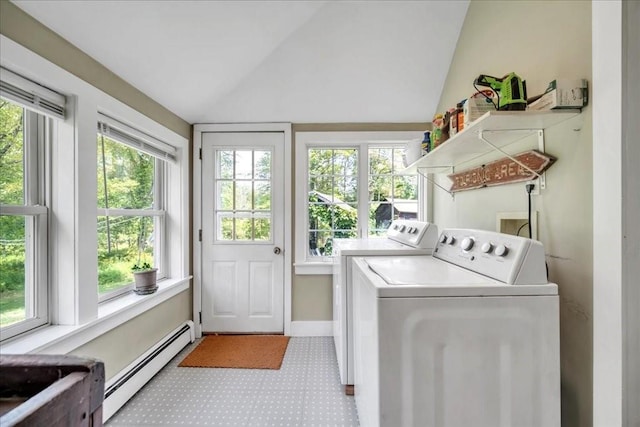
503, 171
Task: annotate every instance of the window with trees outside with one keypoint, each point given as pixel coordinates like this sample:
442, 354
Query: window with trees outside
351, 191
23, 219
131, 211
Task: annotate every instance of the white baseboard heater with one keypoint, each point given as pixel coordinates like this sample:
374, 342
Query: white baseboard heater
120, 388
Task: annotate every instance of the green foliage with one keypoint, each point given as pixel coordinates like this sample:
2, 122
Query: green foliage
246, 196
333, 191
338, 220
111, 276
126, 240
12, 307
12, 273
11, 154
142, 267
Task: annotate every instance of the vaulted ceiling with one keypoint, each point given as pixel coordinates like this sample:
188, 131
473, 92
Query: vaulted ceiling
260, 61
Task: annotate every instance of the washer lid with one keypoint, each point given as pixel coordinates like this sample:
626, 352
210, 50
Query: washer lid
423, 276
374, 246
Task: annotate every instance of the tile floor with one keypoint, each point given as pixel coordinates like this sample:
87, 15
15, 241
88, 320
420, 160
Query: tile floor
306, 391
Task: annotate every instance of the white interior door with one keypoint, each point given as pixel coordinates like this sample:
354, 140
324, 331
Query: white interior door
243, 232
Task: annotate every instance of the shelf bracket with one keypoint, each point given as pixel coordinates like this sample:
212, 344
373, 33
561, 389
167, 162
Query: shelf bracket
489, 143
542, 182
426, 176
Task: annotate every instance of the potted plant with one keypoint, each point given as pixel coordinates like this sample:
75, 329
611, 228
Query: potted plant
145, 278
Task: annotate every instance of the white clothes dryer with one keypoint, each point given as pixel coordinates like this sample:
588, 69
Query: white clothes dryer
404, 237
467, 337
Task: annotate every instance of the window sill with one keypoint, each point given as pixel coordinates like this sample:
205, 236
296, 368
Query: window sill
312, 268
60, 339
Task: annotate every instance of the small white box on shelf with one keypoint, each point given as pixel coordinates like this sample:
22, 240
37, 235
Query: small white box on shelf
477, 105
563, 93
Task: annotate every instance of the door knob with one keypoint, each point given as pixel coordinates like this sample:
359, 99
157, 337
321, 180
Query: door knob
277, 250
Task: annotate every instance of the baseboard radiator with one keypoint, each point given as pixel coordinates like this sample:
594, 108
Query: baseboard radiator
120, 388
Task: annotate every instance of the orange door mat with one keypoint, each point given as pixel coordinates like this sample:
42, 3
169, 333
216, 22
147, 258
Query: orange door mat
238, 351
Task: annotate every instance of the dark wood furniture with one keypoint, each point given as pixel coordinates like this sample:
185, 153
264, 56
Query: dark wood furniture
49, 390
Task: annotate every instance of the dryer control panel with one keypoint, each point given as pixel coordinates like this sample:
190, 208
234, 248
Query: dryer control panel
417, 234
510, 259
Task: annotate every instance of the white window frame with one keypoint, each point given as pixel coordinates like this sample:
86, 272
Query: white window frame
361, 141
36, 140
75, 315
158, 213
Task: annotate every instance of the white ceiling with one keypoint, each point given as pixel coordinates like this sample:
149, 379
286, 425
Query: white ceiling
260, 61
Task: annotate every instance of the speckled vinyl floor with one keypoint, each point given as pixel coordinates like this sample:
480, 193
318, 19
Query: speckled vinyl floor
306, 391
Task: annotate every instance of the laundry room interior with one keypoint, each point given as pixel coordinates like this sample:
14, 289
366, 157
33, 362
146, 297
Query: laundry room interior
422, 211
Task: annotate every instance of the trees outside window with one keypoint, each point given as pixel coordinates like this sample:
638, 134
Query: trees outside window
130, 213
23, 220
349, 196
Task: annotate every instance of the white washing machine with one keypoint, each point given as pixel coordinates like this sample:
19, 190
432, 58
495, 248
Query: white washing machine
466, 337
404, 237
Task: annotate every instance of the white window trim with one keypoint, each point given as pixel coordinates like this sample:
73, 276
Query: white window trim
73, 247
360, 140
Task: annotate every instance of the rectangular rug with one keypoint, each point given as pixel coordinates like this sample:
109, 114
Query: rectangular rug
238, 351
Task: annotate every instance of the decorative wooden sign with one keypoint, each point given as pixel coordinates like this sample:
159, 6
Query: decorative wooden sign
503, 171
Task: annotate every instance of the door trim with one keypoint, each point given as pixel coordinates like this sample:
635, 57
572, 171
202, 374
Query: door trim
198, 130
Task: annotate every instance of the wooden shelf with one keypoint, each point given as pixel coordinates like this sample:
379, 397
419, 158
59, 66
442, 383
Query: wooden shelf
502, 128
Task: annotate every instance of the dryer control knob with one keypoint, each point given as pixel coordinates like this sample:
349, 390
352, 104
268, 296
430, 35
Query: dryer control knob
486, 248
451, 240
402, 227
443, 238
501, 250
467, 243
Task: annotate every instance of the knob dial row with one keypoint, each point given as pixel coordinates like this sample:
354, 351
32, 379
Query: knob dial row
468, 243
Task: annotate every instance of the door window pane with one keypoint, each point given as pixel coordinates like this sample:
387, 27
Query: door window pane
243, 196
262, 162
225, 195
225, 164
243, 203
262, 195
262, 229
244, 164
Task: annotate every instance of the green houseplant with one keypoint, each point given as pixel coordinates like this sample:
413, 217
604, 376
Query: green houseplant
145, 278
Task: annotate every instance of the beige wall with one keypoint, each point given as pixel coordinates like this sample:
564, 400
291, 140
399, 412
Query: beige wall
124, 344
540, 41
312, 295
23, 29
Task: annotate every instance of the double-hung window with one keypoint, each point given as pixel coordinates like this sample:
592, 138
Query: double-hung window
349, 185
26, 117
131, 175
